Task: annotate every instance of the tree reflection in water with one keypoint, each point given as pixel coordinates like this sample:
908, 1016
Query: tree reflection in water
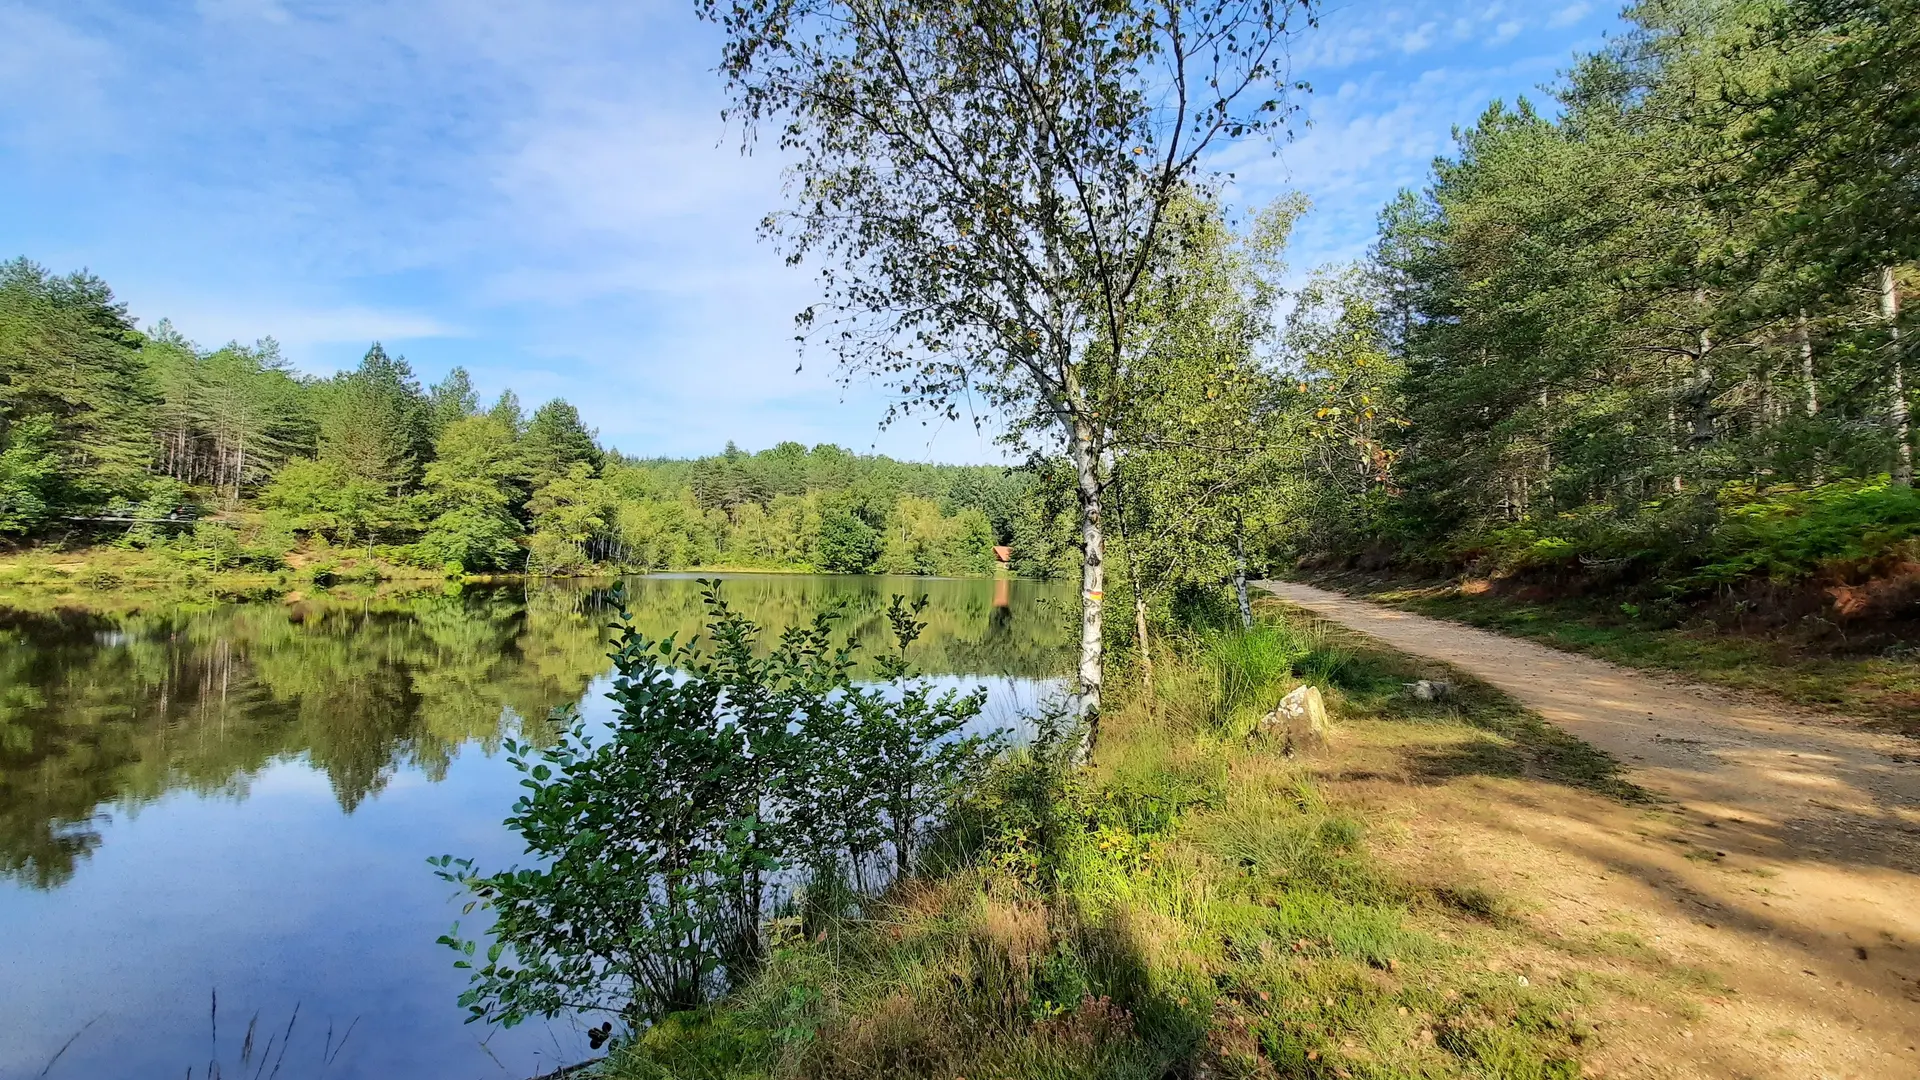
102, 713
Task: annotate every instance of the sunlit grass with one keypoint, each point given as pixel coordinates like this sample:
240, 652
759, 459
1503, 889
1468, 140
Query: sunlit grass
1194, 905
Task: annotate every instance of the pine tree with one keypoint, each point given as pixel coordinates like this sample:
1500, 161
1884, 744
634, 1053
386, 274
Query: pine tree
374, 423
555, 441
69, 353
450, 399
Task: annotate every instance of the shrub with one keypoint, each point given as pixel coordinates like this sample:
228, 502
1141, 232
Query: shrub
1792, 535
29, 472
662, 843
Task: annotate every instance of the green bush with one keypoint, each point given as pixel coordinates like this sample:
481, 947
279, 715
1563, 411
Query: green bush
1697, 544
1792, 535
661, 845
29, 472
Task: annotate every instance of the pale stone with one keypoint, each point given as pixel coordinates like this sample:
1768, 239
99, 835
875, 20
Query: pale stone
1300, 720
1430, 689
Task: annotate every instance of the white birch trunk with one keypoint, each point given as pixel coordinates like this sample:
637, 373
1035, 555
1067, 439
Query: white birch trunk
1240, 582
1093, 577
1903, 442
1806, 363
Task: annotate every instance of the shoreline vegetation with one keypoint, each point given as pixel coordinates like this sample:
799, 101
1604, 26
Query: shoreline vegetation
228, 462
102, 574
1193, 902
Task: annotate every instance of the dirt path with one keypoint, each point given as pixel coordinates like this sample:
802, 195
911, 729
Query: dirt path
1786, 855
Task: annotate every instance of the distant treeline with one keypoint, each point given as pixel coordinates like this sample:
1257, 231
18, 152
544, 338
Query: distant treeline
106, 430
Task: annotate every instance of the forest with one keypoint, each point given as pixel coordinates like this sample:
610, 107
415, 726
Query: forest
228, 458
1660, 332
1648, 342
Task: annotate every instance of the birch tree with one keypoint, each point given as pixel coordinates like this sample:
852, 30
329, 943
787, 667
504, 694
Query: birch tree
1201, 448
983, 184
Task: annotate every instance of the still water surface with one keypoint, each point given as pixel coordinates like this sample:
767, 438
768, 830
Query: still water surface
241, 800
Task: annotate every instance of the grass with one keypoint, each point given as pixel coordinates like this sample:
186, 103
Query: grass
1882, 687
1193, 905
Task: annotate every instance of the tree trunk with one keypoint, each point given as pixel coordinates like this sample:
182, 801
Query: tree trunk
1701, 420
1903, 443
1240, 581
1139, 598
1806, 362
1140, 632
1093, 575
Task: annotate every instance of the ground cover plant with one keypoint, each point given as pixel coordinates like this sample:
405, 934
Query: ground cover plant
1191, 904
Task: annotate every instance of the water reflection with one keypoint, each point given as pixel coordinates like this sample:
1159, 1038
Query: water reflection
102, 712
242, 797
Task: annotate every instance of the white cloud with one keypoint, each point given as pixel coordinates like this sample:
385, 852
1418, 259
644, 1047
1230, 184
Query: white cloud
1568, 15
1506, 32
1369, 138
52, 77
1419, 39
268, 10
298, 329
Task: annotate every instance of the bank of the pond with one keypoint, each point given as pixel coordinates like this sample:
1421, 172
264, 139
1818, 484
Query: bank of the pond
1200, 904
108, 577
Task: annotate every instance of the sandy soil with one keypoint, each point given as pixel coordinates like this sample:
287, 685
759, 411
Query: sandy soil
1783, 859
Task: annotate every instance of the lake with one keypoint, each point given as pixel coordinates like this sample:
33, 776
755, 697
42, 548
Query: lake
220, 816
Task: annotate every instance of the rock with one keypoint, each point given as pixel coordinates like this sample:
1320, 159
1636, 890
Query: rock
1430, 689
1300, 720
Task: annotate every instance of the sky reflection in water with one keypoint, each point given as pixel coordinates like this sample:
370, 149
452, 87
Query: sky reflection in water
243, 798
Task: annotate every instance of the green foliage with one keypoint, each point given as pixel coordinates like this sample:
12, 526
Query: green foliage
469, 539
986, 189
569, 513
1189, 906
228, 418
91, 412
29, 475
324, 498
1621, 336
375, 424
1209, 446
452, 398
471, 490
555, 441
919, 539
69, 355
845, 545
660, 844
214, 545
1791, 535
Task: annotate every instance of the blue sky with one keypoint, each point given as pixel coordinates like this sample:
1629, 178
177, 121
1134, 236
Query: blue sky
545, 194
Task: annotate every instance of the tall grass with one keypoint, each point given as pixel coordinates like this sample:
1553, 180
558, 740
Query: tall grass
1227, 678
1189, 907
